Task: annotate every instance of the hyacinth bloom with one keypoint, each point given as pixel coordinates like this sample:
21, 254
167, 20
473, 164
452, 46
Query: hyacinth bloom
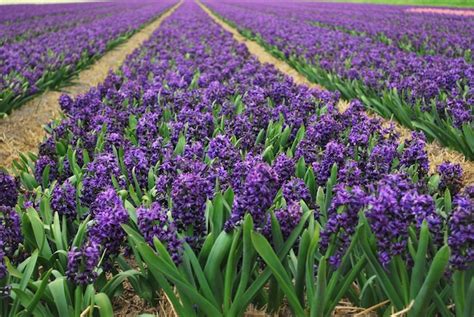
461, 232
82, 264
154, 223
261, 186
63, 200
342, 221
450, 177
8, 190
10, 238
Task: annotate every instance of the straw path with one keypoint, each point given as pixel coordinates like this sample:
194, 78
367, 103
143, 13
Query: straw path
437, 154
22, 131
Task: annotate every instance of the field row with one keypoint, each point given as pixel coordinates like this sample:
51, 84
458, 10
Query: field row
428, 92
62, 44
198, 172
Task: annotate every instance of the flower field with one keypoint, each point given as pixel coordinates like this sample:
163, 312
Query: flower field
421, 76
38, 52
202, 182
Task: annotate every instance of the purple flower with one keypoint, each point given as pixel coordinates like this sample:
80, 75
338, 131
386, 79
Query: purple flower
461, 233
222, 149
66, 103
289, 217
10, 235
109, 214
284, 167
98, 176
136, 161
387, 218
450, 177
153, 223
82, 263
295, 190
422, 207
380, 161
63, 200
342, 221
351, 174
334, 153
189, 193
240, 171
259, 190
8, 190
147, 128
415, 153
41, 164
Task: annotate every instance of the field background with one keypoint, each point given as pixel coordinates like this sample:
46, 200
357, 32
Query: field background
444, 3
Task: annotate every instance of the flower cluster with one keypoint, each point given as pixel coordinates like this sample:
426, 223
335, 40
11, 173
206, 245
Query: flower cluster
153, 223
10, 238
82, 263
342, 221
189, 194
388, 218
461, 232
450, 177
109, 214
63, 200
261, 186
8, 190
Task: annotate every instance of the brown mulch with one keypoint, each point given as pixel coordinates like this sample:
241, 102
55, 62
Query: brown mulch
129, 304
22, 130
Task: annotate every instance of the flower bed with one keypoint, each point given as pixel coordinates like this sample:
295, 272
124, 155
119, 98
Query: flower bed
428, 93
198, 172
48, 60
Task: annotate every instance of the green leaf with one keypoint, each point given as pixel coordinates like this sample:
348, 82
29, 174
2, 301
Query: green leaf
319, 299
102, 301
116, 281
271, 259
157, 264
419, 268
230, 271
58, 291
203, 282
385, 282
247, 256
212, 269
179, 149
301, 168
30, 268
39, 292
301, 268
435, 273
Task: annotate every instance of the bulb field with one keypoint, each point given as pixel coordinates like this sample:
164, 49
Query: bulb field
248, 158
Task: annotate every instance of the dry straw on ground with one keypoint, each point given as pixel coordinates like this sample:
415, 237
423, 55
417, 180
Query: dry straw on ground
22, 131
